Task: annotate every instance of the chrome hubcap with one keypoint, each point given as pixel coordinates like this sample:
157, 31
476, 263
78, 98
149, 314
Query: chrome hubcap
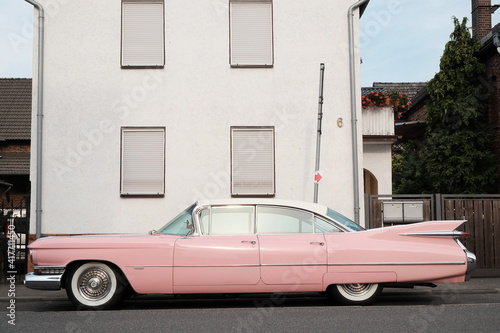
357, 289
94, 284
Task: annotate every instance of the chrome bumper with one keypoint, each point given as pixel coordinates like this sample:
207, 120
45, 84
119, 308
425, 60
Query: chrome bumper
471, 260
43, 282
471, 264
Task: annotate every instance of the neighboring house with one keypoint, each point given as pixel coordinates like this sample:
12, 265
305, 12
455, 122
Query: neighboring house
413, 126
379, 136
409, 88
490, 55
149, 106
15, 131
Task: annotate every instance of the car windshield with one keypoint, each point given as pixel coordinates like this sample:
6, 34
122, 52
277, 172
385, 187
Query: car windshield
343, 220
182, 224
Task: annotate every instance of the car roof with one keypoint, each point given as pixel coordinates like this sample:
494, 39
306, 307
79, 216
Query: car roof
313, 207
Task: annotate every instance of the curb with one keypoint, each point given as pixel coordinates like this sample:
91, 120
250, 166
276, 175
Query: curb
441, 292
407, 292
33, 299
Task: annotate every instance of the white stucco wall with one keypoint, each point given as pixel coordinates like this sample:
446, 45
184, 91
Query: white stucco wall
377, 160
196, 97
377, 155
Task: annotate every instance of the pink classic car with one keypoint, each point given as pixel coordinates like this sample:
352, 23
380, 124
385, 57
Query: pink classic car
251, 246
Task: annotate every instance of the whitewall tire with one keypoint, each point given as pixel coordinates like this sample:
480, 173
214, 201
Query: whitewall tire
355, 293
94, 285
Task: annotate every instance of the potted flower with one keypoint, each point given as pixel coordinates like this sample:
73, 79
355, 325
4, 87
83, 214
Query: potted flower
399, 101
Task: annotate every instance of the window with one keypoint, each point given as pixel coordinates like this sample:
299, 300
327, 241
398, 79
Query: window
143, 161
251, 32
343, 220
142, 34
252, 161
182, 224
279, 220
322, 226
237, 220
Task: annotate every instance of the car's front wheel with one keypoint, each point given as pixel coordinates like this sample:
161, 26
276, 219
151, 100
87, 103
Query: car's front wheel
94, 285
355, 293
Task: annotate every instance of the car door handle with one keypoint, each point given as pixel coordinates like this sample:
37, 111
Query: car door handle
319, 243
249, 242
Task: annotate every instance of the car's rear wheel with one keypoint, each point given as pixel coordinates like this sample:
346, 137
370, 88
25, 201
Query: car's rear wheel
355, 293
94, 285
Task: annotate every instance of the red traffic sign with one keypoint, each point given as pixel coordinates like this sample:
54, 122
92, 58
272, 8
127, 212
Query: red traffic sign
318, 176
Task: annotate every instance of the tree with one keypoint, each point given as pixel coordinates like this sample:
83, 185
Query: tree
407, 170
456, 156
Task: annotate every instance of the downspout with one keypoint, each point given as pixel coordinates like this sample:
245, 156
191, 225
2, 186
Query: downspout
318, 135
354, 119
39, 115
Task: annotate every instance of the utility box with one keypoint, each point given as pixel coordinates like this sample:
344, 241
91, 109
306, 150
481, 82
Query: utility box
403, 211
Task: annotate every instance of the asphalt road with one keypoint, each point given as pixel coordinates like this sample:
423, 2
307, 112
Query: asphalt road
396, 311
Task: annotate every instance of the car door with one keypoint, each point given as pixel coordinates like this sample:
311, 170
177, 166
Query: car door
225, 253
290, 252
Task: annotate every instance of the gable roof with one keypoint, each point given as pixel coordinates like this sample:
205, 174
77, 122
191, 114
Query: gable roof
366, 90
15, 109
409, 88
14, 163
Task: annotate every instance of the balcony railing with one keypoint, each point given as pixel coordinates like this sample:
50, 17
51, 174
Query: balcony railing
378, 121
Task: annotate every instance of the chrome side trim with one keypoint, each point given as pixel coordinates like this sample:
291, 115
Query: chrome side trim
453, 233
142, 266
400, 263
303, 264
43, 282
249, 265
316, 264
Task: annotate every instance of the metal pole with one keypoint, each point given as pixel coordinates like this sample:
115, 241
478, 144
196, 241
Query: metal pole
320, 118
39, 118
354, 100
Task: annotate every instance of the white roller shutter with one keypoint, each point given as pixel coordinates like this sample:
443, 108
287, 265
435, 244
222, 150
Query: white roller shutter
251, 30
143, 161
252, 167
142, 34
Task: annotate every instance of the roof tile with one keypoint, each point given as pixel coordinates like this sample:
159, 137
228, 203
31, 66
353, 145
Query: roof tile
14, 163
15, 109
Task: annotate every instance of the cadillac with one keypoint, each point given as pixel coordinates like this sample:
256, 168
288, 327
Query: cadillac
251, 246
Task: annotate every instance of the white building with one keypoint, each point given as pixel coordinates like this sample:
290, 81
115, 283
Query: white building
151, 105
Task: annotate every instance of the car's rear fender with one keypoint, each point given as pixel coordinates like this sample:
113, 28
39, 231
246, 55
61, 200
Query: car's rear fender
420, 252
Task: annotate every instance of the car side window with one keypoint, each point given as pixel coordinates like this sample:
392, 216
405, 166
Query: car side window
228, 220
182, 224
325, 227
282, 220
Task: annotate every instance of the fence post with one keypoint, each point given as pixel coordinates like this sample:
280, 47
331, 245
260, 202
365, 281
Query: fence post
368, 211
439, 206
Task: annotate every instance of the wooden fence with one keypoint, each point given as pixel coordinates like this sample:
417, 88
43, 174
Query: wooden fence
481, 212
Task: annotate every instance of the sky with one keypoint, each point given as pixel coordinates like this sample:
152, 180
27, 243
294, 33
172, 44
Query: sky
403, 40
400, 40
16, 38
